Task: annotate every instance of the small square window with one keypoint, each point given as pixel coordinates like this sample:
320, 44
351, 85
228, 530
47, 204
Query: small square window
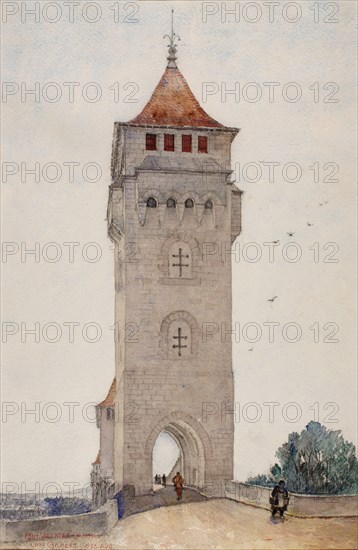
186, 143
202, 144
151, 142
168, 142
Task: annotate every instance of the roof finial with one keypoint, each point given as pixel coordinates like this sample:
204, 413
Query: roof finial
172, 49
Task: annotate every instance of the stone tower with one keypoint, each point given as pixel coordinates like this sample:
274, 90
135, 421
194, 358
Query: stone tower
173, 213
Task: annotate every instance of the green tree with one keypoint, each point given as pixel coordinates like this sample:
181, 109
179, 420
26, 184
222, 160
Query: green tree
316, 461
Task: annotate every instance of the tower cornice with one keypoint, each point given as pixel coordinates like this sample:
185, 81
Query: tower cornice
227, 129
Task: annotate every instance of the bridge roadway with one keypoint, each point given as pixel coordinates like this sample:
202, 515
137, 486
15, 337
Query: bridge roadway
197, 523
160, 497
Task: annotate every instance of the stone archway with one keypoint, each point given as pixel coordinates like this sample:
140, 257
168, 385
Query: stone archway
193, 442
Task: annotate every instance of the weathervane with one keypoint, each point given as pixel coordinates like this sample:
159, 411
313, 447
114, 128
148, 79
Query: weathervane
172, 48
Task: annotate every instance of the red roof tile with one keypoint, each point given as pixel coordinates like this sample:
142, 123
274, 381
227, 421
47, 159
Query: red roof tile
174, 104
109, 401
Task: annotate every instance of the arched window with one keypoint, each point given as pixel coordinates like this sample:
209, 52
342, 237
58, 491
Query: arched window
179, 336
171, 203
180, 260
151, 203
209, 205
179, 339
189, 203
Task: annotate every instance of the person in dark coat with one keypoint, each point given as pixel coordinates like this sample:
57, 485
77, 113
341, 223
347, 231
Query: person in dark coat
164, 480
279, 499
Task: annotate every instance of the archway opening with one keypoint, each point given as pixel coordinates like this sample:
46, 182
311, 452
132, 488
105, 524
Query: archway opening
167, 457
191, 460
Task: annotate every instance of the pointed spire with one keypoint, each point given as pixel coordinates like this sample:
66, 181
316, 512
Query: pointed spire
172, 48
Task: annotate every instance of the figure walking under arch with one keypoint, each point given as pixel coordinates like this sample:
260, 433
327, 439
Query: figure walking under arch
178, 481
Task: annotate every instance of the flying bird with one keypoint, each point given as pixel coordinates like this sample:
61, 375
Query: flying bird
290, 233
275, 242
251, 349
322, 203
309, 224
272, 299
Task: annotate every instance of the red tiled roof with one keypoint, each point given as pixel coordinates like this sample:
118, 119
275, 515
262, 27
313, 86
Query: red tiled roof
174, 104
109, 401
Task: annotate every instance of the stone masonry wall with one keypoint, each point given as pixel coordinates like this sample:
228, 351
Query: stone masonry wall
155, 385
300, 505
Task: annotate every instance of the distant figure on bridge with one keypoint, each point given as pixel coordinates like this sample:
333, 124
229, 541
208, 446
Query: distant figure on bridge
279, 499
157, 479
164, 480
178, 481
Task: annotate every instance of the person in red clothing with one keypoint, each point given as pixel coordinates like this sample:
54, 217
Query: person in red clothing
178, 481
